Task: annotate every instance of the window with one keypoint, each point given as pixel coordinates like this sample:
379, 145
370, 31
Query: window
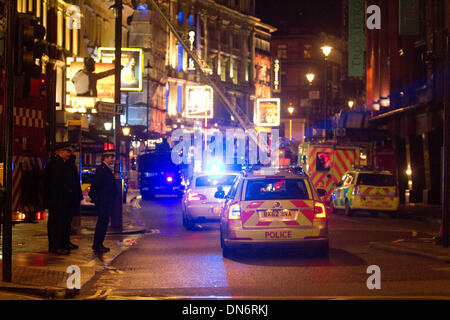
236, 44
180, 17
377, 180
191, 20
348, 179
282, 51
180, 57
307, 51
276, 189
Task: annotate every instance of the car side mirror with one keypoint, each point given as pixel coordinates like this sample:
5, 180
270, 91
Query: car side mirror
322, 192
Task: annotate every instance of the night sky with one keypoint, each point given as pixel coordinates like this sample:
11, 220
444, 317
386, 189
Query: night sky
312, 16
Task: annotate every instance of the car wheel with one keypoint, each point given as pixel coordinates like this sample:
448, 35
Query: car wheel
227, 252
188, 223
348, 210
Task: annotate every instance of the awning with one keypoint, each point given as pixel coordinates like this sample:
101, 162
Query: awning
398, 111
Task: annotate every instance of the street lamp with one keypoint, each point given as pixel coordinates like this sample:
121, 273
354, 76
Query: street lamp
291, 111
310, 77
108, 126
351, 103
326, 50
126, 131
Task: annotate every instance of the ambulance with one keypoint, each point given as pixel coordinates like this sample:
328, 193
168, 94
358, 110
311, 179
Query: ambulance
274, 209
325, 164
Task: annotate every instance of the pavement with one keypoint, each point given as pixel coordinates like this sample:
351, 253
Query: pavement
38, 273
427, 247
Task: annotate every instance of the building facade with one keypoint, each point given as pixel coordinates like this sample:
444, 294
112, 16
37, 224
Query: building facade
299, 55
234, 49
405, 62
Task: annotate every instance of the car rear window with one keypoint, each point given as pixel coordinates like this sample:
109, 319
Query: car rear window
371, 179
211, 181
276, 189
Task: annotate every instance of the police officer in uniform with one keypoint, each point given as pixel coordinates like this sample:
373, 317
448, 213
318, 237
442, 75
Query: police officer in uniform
103, 189
57, 199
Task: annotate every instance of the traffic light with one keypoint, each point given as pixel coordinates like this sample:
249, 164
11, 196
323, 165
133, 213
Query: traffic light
29, 46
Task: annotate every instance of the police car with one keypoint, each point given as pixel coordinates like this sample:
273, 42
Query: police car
281, 209
364, 188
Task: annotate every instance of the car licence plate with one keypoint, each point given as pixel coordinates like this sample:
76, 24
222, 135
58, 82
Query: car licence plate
276, 213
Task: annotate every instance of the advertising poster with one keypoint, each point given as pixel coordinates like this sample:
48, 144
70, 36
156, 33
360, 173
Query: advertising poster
199, 102
268, 112
87, 82
262, 76
133, 64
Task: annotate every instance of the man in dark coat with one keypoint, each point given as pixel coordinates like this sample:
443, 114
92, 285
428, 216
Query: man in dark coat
104, 191
57, 198
75, 195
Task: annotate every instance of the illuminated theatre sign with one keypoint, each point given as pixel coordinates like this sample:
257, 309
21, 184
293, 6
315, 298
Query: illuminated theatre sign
88, 81
132, 60
268, 112
199, 102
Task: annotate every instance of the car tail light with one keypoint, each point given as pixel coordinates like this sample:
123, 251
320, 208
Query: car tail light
195, 196
234, 212
40, 215
319, 210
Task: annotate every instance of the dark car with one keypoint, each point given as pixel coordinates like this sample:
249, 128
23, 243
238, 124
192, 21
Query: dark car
159, 175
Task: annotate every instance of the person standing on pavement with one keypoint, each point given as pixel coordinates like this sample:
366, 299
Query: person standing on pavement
57, 200
75, 195
103, 189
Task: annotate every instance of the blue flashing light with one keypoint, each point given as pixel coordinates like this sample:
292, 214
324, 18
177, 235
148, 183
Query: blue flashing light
169, 179
215, 167
142, 7
180, 17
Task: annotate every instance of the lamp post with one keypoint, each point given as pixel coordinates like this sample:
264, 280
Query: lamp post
148, 67
310, 77
291, 111
326, 50
117, 218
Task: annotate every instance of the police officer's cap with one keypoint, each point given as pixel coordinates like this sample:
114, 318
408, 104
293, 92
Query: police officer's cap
109, 153
64, 146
